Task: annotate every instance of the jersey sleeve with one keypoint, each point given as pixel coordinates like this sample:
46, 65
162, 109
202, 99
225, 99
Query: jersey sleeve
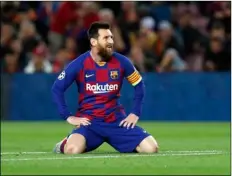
62, 82
67, 76
131, 74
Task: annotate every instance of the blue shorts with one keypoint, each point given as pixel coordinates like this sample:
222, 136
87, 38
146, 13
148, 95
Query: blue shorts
120, 138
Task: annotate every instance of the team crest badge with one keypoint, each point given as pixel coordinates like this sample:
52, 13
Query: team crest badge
114, 74
62, 75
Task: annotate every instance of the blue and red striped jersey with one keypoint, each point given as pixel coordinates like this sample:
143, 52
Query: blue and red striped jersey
98, 85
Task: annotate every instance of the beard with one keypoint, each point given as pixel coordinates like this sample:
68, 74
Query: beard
105, 52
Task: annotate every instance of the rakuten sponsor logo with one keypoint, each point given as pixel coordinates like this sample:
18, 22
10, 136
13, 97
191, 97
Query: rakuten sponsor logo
97, 88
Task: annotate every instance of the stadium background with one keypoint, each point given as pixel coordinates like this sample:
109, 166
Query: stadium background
182, 49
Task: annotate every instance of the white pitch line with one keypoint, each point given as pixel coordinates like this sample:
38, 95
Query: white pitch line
168, 151
113, 156
191, 151
15, 153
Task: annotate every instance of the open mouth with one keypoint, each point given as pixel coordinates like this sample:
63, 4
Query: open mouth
109, 47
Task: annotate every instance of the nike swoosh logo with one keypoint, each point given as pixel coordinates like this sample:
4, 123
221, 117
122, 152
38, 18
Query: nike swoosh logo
87, 76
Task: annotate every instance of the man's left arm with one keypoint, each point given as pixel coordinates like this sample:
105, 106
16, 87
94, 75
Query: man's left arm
135, 79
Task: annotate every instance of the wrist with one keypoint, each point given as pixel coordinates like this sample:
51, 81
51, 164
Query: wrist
136, 114
67, 115
70, 119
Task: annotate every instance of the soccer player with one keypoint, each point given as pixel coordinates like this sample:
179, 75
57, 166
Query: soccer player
100, 118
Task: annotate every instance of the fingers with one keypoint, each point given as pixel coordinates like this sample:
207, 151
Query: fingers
85, 121
77, 121
83, 118
121, 123
127, 124
133, 125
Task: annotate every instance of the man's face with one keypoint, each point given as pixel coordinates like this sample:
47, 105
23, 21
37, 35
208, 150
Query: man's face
38, 59
218, 33
165, 34
11, 59
216, 46
105, 44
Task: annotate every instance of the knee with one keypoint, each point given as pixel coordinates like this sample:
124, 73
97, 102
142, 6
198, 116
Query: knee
149, 145
152, 148
72, 149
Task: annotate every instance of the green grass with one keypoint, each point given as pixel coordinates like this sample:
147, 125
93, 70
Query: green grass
177, 142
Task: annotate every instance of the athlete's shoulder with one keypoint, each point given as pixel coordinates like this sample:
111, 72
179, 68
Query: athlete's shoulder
82, 57
78, 62
124, 60
120, 57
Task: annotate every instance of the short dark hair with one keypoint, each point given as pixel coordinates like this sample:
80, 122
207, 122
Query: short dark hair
93, 30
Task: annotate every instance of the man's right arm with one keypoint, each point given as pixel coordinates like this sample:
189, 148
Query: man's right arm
63, 81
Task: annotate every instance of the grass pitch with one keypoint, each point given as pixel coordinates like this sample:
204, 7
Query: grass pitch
185, 148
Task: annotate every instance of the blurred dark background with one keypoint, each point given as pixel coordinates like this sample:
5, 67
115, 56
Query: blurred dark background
157, 36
